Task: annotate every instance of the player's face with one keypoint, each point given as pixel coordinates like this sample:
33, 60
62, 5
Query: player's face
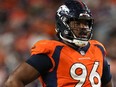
80, 28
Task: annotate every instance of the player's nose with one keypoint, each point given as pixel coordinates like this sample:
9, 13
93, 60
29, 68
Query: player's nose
83, 25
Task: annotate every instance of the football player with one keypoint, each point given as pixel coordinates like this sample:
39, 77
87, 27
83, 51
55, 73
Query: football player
73, 61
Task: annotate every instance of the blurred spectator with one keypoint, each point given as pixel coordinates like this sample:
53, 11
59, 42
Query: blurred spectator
22, 23
3, 72
111, 52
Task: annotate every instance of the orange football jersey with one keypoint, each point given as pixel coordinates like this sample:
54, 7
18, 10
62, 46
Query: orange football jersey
70, 67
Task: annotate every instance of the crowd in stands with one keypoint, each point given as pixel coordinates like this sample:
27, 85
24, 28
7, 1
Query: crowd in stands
23, 22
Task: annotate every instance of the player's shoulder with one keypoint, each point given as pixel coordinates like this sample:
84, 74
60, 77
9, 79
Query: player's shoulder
45, 46
48, 43
97, 44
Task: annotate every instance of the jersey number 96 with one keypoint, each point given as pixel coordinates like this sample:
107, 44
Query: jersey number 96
94, 76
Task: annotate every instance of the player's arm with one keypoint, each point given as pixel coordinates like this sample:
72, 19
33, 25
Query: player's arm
23, 75
29, 71
110, 84
106, 77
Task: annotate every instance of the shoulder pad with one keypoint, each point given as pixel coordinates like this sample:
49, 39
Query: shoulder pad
99, 45
44, 46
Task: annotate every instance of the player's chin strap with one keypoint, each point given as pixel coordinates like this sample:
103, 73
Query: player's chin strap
76, 42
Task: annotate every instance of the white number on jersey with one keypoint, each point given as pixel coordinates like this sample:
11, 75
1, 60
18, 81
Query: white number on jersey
82, 77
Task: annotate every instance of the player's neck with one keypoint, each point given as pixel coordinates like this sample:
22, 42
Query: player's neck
77, 48
71, 45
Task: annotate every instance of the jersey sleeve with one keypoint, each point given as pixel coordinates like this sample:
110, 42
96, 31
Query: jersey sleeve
43, 47
106, 76
40, 47
40, 62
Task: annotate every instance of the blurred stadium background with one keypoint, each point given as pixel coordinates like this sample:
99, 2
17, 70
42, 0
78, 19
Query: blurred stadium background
23, 22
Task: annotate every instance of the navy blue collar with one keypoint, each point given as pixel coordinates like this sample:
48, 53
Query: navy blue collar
77, 48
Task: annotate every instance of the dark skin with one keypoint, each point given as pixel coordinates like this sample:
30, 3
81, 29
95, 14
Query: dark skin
23, 75
80, 28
